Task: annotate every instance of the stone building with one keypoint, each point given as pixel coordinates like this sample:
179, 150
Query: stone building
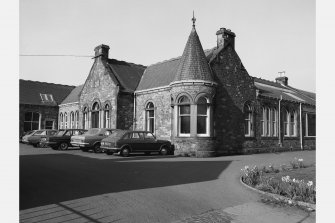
39, 104
204, 101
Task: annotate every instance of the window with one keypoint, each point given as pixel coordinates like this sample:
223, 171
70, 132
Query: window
47, 97
72, 120
85, 119
202, 117
290, 123
77, 119
148, 135
65, 120
49, 124
95, 115
310, 124
269, 122
248, 120
31, 121
150, 117
184, 119
107, 133
106, 117
61, 121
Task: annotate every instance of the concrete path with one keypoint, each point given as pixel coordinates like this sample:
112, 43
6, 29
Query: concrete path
187, 190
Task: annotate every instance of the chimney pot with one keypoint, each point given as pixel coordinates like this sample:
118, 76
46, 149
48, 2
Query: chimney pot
225, 37
282, 80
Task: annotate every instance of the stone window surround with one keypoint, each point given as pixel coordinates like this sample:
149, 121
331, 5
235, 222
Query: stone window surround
193, 116
250, 119
289, 123
88, 109
149, 118
65, 120
61, 120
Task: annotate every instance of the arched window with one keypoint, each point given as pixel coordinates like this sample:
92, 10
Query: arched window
77, 119
95, 115
65, 120
184, 116
85, 118
61, 121
248, 121
31, 121
72, 120
150, 117
202, 117
290, 123
106, 116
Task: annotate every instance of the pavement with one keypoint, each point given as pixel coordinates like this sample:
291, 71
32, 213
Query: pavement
74, 186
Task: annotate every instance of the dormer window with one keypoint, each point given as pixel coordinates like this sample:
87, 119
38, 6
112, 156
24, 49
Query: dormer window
47, 97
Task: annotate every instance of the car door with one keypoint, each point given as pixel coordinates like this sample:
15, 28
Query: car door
135, 141
149, 142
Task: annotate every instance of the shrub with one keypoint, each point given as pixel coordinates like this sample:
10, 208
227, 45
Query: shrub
297, 163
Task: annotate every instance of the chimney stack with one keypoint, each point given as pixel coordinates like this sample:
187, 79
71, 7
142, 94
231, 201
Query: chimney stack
225, 37
101, 51
282, 80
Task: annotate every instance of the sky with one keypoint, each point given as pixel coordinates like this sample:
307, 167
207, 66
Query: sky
271, 36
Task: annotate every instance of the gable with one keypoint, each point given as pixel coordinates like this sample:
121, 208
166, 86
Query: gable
73, 96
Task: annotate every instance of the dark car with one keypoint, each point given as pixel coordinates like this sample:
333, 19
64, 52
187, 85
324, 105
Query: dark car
36, 137
91, 139
127, 141
61, 140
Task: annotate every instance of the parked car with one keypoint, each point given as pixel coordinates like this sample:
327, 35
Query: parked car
127, 141
91, 139
61, 140
26, 135
36, 137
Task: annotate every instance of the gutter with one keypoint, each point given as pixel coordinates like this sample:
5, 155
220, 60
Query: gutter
279, 122
301, 144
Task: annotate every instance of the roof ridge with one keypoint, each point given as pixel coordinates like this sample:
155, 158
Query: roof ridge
47, 83
127, 62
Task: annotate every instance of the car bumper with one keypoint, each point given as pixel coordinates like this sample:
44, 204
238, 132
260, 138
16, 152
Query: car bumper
109, 149
80, 144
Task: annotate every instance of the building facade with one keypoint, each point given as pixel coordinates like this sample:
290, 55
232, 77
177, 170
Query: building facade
39, 104
204, 101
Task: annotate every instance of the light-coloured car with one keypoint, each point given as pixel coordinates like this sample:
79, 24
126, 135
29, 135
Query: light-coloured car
27, 135
91, 139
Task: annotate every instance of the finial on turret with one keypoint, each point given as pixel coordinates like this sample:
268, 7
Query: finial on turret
193, 20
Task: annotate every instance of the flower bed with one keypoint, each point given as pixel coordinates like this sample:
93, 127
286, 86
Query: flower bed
266, 179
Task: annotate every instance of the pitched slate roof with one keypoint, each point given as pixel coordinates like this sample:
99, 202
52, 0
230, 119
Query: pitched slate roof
193, 64
30, 92
163, 73
74, 95
275, 90
128, 74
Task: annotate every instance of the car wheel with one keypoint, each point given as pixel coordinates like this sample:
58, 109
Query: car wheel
63, 146
97, 148
164, 151
125, 151
109, 153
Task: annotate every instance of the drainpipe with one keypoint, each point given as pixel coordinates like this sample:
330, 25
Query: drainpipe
134, 119
279, 122
301, 145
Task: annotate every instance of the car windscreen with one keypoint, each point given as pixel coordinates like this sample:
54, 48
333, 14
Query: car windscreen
117, 134
60, 133
39, 133
92, 132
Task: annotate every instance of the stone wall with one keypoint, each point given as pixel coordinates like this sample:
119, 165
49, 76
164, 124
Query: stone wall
162, 104
99, 87
235, 88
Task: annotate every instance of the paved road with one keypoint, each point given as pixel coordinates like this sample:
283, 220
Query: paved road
74, 186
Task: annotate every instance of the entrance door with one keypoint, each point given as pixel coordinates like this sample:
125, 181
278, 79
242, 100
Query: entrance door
95, 119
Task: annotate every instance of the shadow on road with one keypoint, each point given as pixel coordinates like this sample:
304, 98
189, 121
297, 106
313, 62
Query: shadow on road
49, 179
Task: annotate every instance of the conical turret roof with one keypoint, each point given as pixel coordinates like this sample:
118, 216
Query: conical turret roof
193, 64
